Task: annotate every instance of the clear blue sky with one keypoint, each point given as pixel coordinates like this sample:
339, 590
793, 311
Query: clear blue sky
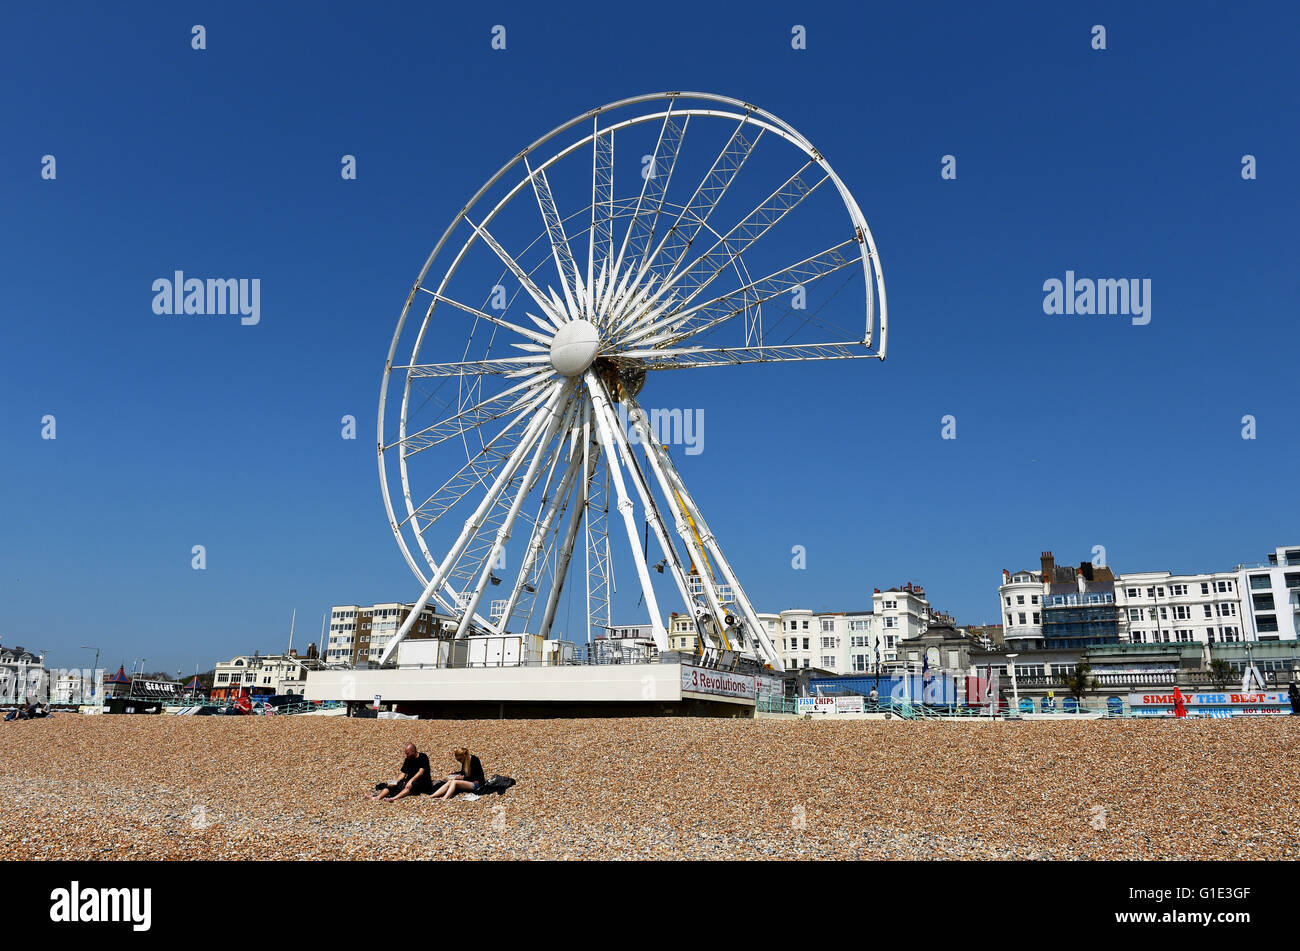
1072, 432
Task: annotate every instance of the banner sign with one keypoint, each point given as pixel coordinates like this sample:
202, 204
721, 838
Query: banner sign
1219, 704
804, 705
717, 682
830, 706
142, 689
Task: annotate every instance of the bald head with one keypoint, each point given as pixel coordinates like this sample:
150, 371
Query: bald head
409, 749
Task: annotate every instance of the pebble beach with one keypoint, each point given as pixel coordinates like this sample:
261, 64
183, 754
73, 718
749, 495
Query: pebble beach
236, 788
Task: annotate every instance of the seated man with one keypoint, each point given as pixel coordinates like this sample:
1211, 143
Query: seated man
415, 778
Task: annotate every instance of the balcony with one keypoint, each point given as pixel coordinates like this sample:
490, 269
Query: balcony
1023, 630
1146, 678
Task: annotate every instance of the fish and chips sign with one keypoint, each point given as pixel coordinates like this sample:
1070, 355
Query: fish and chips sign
830, 706
1220, 704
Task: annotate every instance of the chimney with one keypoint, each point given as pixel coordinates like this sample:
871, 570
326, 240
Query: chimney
877, 591
1049, 567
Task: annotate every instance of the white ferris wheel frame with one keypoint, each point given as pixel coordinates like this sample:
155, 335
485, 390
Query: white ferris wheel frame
578, 410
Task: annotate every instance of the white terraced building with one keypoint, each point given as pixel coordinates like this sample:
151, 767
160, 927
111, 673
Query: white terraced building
845, 642
1021, 597
1157, 607
1270, 595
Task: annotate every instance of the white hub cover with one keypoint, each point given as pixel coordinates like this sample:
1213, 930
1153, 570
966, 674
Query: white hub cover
574, 347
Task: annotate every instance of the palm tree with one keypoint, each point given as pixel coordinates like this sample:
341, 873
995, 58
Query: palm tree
1078, 682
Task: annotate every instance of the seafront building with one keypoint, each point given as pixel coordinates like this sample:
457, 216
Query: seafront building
22, 675
1158, 607
1064, 607
359, 633
268, 674
1270, 595
850, 641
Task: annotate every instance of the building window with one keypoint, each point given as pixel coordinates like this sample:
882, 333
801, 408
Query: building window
1260, 583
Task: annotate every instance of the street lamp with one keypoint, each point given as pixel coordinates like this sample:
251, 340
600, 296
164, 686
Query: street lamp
87, 647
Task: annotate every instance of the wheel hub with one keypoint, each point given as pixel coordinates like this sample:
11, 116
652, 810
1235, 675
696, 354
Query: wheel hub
573, 348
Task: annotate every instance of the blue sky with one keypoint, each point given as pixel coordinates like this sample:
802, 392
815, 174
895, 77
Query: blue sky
1072, 431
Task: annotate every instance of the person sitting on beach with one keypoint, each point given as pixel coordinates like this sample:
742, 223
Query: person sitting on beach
415, 778
468, 779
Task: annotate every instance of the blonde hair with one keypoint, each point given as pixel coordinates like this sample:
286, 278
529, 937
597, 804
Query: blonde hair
462, 754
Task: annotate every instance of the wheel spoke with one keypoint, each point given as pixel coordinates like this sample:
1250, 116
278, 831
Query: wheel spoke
504, 324
681, 324
565, 265
494, 407
600, 244
503, 366
677, 242
547, 306
685, 358
641, 229
704, 269
474, 472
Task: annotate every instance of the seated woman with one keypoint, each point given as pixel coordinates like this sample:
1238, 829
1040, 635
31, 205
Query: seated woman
469, 779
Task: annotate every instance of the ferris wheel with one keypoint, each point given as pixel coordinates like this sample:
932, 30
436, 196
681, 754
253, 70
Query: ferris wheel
511, 434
